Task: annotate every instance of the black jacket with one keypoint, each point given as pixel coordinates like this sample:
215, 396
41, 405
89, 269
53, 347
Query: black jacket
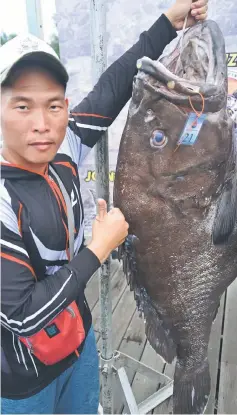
37, 279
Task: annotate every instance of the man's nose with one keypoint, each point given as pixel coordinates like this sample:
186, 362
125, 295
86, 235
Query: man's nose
40, 122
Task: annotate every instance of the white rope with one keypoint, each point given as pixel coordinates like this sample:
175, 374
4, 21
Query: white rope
183, 30
181, 43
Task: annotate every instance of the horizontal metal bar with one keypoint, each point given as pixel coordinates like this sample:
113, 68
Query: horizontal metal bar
156, 399
127, 390
128, 362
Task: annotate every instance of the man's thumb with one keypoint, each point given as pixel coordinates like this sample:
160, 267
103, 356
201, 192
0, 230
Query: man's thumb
101, 209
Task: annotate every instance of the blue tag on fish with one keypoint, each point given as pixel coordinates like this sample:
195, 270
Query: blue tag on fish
192, 129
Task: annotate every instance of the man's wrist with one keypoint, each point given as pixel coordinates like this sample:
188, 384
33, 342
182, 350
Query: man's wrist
98, 250
171, 16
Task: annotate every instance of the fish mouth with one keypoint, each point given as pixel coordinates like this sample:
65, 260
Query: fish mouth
198, 69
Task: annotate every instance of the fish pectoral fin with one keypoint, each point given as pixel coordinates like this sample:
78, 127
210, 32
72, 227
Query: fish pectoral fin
225, 219
191, 388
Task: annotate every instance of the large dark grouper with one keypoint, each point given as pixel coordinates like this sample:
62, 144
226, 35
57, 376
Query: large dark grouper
180, 202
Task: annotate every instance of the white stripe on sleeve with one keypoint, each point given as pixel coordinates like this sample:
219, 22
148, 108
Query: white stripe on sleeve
13, 246
20, 323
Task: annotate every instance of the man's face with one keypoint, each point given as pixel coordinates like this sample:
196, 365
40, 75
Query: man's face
34, 119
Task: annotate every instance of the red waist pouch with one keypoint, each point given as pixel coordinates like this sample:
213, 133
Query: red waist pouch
61, 337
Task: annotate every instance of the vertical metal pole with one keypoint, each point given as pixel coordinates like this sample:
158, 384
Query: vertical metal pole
34, 18
99, 55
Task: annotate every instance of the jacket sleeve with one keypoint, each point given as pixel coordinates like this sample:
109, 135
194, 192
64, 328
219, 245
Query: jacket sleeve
91, 118
27, 305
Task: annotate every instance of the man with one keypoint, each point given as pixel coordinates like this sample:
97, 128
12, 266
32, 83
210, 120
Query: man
49, 356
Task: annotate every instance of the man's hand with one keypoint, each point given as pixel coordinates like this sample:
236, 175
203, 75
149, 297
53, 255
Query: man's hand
196, 11
108, 232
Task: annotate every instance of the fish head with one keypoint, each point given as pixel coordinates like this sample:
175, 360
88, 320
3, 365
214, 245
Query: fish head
182, 84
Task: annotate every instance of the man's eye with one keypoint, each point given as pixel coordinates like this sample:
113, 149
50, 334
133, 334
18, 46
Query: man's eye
22, 108
55, 107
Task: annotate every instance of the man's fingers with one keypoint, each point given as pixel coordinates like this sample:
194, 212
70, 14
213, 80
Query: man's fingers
201, 16
114, 211
199, 4
122, 241
101, 209
199, 12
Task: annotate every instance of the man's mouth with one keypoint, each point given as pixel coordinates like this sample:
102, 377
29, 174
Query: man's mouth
42, 145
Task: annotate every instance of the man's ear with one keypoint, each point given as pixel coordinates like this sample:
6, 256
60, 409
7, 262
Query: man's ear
66, 100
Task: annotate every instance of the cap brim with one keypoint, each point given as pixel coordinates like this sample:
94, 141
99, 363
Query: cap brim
43, 59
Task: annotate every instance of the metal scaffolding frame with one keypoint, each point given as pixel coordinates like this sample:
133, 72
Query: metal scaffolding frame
34, 18
112, 363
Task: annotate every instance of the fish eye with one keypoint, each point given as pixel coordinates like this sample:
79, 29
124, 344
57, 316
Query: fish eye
158, 139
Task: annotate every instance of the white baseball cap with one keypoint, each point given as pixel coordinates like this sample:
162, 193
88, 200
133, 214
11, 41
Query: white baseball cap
30, 49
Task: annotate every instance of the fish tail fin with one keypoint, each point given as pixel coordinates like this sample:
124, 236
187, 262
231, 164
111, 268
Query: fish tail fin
158, 337
191, 389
